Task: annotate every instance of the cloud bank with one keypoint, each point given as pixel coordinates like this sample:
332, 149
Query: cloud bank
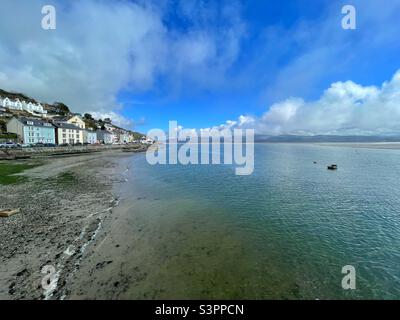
102, 47
345, 108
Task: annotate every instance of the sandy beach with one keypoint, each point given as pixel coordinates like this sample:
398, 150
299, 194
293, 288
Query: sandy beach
64, 203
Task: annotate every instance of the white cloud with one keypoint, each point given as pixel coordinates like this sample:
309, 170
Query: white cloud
318, 50
102, 47
116, 118
344, 108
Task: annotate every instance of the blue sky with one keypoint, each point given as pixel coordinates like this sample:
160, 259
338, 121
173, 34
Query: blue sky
268, 49
280, 67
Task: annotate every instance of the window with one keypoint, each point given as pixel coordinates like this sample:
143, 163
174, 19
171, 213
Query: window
29, 123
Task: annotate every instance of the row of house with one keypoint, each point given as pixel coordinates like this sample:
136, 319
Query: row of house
33, 108
34, 130
71, 132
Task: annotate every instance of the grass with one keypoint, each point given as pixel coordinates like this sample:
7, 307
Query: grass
12, 136
66, 178
8, 171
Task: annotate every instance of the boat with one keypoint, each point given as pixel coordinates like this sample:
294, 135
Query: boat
332, 167
8, 213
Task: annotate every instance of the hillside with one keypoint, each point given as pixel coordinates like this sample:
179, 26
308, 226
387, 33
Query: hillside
15, 95
59, 111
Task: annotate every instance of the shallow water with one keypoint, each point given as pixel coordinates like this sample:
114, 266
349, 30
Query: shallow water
284, 232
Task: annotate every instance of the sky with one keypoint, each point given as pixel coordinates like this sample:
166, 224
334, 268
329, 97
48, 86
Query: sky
283, 67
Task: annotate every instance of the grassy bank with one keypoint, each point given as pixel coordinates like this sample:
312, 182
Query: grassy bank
8, 171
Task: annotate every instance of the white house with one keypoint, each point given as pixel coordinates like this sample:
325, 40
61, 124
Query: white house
123, 137
15, 105
105, 137
18, 105
89, 136
146, 140
34, 108
113, 131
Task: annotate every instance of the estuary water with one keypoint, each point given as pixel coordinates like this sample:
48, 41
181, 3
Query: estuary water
284, 232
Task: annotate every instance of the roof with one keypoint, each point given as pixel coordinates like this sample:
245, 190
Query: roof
76, 115
33, 122
66, 125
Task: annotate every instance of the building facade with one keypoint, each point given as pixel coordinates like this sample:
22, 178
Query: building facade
77, 121
103, 136
67, 133
22, 106
32, 131
124, 137
89, 137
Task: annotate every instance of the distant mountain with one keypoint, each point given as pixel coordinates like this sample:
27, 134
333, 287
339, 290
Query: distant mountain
325, 138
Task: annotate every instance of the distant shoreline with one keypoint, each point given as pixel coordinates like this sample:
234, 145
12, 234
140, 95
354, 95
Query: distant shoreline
364, 145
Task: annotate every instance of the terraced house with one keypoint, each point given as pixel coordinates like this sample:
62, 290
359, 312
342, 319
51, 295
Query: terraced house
34, 108
67, 133
32, 131
78, 121
89, 136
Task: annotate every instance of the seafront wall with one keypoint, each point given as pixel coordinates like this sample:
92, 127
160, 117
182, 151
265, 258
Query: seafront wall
26, 153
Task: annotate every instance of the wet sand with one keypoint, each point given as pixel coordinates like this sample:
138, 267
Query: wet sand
64, 204
102, 243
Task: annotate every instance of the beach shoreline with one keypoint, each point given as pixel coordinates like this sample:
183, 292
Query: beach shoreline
63, 203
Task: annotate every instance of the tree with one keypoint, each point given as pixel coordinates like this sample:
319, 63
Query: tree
62, 108
88, 116
3, 126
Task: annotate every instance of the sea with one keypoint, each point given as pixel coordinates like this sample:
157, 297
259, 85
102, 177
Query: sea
287, 231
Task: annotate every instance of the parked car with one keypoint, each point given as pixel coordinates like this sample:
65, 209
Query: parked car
8, 145
25, 145
38, 145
